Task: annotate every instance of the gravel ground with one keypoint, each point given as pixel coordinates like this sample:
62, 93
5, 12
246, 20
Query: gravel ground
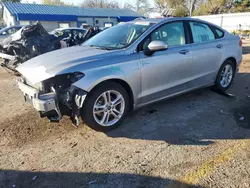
199, 139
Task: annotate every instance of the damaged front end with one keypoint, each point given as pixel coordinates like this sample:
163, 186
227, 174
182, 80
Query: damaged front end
56, 96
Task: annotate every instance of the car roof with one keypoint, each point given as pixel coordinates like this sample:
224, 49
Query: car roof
6, 28
150, 20
158, 20
163, 20
14, 26
62, 29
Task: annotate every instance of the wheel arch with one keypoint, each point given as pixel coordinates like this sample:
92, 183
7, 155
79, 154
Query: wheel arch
233, 59
124, 84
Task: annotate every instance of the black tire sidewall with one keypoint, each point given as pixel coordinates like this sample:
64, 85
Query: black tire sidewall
87, 111
218, 78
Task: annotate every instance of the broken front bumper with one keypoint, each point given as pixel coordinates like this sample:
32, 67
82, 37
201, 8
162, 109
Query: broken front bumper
41, 102
7, 56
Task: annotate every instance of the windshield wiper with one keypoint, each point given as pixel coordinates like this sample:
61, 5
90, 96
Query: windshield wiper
106, 48
102, 47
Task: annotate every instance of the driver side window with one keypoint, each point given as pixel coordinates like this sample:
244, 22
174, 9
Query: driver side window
171, 33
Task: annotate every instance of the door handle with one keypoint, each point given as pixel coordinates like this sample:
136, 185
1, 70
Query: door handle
183, 52
219, 46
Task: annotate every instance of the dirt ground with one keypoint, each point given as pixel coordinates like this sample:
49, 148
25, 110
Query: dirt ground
198, 140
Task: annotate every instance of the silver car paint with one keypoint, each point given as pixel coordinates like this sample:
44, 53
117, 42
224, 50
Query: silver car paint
150, 78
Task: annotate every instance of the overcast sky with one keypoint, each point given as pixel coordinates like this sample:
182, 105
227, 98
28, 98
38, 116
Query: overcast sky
76, 2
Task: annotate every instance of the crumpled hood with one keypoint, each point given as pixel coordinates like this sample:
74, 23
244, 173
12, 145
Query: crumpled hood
54, 63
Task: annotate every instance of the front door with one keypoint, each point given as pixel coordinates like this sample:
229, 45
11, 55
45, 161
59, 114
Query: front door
166, 73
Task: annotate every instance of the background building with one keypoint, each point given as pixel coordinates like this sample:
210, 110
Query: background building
53, 17
230, 22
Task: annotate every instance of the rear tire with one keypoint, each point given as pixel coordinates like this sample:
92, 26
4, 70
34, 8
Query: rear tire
106, 107
225, 76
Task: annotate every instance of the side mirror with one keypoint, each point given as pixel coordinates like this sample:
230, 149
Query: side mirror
155, 46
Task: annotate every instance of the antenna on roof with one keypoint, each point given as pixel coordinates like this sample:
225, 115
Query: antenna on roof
168, 12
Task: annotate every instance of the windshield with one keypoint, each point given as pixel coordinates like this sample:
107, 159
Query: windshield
119, 36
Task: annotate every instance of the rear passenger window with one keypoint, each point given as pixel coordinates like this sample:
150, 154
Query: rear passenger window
219, 33
201, 32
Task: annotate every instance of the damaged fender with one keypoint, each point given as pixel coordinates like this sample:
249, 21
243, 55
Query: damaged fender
74, 99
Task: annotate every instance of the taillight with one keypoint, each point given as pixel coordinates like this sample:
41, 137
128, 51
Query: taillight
240, 43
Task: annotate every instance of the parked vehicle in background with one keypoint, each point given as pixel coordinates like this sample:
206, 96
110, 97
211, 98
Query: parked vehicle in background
128, 66
34, 40
75, 35
28, 42
7, 31
104, 28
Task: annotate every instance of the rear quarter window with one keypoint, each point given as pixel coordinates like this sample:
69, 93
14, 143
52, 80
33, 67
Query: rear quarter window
220, 33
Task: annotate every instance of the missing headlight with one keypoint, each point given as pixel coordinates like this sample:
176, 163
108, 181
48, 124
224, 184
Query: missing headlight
62, 82
74, 77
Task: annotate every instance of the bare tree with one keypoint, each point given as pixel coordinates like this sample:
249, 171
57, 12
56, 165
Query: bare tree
161, 5
142, 7
183, 7
113, 4
54, 2
191, 6
100, 4
129, 6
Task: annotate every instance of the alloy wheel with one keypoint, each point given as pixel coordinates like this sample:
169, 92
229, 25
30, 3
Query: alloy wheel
109, 108
226, 76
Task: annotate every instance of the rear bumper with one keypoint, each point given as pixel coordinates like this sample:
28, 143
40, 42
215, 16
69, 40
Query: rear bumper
42, 103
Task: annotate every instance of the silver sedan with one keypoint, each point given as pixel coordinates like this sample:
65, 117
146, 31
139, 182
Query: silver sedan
128, 66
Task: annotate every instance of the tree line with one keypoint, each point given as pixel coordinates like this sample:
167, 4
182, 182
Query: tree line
182, 7
204, 7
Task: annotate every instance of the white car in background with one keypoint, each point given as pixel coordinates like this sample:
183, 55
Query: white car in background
7, 31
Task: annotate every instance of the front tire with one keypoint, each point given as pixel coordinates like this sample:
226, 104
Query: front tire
225, 75
106, 106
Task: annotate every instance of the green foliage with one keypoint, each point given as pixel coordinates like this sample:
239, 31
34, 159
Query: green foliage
204, 7
240, 32
55, 2
183, 7
100, 4
242, 6
222, 6
181, 11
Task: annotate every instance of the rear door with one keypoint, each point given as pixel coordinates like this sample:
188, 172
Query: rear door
207, 49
